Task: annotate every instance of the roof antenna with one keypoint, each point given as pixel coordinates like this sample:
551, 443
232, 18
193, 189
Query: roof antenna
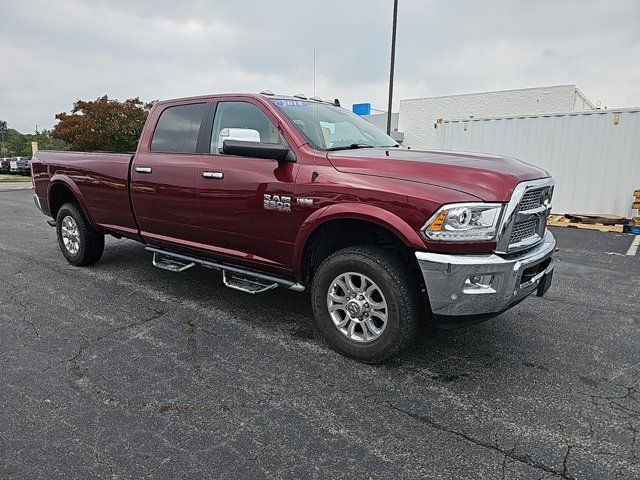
314, 174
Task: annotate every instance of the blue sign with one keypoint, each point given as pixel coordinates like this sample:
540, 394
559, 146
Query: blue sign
361, 108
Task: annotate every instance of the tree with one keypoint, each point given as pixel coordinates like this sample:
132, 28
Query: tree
103, 124
45, 142
13, 143
3, 134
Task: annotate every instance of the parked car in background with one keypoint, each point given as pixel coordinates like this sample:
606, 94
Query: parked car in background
13, 165
24, 166
20, 165
4, 165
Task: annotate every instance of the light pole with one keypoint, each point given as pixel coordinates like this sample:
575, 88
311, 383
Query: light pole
393, 61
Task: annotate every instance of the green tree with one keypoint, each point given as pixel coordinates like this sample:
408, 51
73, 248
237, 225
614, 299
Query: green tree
45, 142
102, 124
3, 133
13, 143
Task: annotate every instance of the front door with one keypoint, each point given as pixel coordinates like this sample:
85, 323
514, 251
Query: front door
164, 177
245, 203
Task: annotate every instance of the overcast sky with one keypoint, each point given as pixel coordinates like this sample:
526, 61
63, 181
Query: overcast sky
54, 52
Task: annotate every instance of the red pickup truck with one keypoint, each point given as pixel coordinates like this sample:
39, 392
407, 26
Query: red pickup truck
279, 191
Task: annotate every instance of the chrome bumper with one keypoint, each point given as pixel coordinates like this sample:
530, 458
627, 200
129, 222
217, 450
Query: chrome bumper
463, 285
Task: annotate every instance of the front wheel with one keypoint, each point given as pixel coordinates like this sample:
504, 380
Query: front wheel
79, 242
365, 303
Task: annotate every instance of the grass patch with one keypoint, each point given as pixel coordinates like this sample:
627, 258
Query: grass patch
14, 178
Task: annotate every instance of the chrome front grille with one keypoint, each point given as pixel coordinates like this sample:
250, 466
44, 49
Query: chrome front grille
522, 231
533, 199
525, 219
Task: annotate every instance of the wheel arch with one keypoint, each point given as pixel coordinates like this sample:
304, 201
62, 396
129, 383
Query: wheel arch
360, 213
62, 190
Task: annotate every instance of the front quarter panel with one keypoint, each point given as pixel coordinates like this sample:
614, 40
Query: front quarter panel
400, 206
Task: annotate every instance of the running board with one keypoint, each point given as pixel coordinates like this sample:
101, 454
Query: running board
237, 278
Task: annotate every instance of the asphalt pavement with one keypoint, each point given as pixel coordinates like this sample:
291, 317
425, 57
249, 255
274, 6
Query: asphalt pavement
122, 370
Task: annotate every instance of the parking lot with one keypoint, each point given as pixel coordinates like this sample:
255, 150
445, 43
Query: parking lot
123, 370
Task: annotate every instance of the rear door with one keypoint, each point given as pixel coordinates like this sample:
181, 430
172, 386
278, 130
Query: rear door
235, 220
164, 175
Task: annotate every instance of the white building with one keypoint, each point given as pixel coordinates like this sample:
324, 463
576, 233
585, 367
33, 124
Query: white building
419, 117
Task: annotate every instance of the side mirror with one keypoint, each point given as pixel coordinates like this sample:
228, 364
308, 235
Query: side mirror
245, 134
281, 153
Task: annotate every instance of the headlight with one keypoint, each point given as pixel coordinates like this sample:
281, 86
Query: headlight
464, 222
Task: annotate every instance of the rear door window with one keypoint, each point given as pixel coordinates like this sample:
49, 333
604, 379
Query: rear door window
178, 128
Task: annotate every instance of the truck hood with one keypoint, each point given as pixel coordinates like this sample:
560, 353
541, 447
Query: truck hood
490, 178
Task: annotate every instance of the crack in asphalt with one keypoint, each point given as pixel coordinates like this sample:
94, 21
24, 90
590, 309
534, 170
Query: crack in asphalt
522, 458
192, 331
83, 383
79, 439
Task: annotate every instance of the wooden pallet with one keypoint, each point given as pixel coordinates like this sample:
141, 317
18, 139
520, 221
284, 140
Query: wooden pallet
562, 221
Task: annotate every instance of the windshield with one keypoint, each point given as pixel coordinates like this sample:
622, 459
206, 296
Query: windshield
328, 127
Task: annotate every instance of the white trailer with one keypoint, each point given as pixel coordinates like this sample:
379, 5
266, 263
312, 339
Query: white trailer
594, 156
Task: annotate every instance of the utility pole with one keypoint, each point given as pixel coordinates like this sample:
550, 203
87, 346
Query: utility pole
393, 61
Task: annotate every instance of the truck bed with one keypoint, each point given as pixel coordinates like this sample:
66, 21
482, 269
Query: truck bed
100, 178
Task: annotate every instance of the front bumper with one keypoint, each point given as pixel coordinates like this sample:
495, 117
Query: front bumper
482, 286
36, 200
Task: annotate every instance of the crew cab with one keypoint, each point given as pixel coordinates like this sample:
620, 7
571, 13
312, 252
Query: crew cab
286, 191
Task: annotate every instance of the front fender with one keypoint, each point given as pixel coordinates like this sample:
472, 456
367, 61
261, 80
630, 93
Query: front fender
68, 182
355, 211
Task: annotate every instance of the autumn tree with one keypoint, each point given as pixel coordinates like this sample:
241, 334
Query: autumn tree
103, 124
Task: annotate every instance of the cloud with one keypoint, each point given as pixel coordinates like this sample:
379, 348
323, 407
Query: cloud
56, 52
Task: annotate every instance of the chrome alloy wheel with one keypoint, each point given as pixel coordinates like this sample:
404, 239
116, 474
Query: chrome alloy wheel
70, 235
357, 307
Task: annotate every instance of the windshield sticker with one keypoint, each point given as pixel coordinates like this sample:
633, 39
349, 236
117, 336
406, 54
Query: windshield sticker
292, 104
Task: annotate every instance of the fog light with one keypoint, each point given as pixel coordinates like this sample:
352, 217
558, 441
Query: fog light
479, 283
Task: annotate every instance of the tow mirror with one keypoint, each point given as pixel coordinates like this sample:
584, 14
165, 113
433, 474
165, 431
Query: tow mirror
273, 151
245, 134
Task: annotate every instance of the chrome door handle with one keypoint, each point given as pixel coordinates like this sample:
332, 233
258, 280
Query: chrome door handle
216, 175
143, 169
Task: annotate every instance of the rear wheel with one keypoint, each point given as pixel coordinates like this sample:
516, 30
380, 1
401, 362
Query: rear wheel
79, 242
365, 303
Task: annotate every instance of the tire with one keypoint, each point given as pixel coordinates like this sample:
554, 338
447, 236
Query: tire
395, 288
80, 243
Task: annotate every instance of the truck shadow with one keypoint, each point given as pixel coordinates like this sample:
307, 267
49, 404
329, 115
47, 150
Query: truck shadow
289, 313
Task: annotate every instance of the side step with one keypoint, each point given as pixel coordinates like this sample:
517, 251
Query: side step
238, 278
166, 262
246, 284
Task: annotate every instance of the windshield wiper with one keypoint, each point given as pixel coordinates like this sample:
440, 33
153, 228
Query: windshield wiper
351, 147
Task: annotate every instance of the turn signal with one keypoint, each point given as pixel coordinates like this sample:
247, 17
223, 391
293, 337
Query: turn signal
438, 222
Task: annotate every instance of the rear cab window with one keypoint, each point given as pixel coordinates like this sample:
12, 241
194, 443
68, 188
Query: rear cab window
178, 128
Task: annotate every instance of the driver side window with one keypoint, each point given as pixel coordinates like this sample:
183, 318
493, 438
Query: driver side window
242, 121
